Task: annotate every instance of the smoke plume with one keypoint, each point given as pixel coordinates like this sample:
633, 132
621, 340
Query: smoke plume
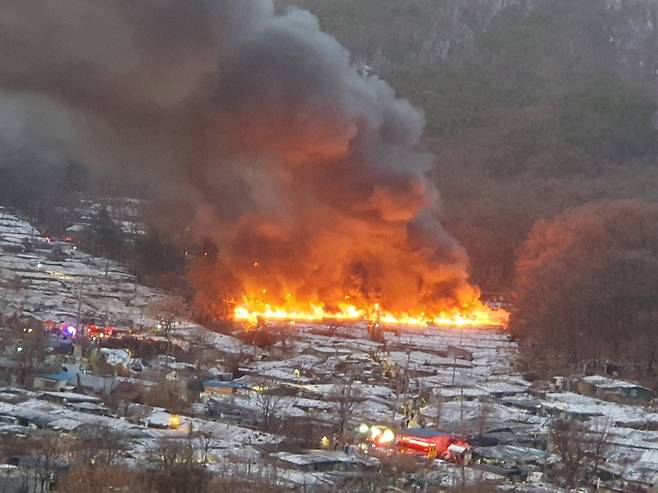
308, 175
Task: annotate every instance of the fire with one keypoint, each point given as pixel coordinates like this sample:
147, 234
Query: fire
252, 310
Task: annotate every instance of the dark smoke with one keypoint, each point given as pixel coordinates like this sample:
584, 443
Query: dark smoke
261, 123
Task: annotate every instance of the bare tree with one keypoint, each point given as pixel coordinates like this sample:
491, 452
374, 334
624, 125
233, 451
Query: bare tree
268, 404
439, 405
104, 479
202, 443
169, 313
39, 456
581, 449
30, 343
400, 387
96, 462
240, 477
180, 465
233, 362
345, 399
100, 446
598, 443
171, 395
568, 438
485, 410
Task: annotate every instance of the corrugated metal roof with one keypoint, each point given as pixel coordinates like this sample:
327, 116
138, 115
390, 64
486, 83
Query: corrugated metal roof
423, 432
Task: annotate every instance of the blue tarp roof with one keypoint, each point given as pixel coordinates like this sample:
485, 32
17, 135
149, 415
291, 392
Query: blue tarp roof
60, 375
219, 383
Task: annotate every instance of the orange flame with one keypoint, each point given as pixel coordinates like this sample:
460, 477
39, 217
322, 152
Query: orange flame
252, 310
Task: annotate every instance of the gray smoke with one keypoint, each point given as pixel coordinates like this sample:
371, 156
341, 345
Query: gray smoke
260, 122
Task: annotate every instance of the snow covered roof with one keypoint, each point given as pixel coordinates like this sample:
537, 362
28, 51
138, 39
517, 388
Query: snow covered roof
650, 457
510, 453
589, 406
610, 383
318, 457
72, 397
116, 356
64, 424
501, 387
454, 392
160, 419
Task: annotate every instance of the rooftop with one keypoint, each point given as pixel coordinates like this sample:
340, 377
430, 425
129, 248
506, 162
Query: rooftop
318, 457
610, 383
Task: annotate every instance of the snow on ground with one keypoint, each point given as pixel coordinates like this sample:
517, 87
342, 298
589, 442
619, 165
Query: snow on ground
41, 284
471, 369
33, 285
225, 343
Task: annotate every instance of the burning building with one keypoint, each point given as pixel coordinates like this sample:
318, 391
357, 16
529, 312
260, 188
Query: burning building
309, 178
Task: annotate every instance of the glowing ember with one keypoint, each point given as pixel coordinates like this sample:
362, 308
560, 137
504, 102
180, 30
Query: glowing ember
479, 315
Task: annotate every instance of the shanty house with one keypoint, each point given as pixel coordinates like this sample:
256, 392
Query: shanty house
217, 387
72, 377
58, 381
323, 461
605, 387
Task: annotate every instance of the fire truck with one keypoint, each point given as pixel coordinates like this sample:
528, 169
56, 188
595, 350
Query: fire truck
435, 444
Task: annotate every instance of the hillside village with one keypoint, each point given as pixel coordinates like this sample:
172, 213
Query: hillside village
301, 407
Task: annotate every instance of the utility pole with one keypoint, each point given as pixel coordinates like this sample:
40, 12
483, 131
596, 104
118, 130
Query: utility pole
406, 373
461, 410
461, 392
77, 320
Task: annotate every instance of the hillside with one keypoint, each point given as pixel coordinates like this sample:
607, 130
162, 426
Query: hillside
531, 106
42, 278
